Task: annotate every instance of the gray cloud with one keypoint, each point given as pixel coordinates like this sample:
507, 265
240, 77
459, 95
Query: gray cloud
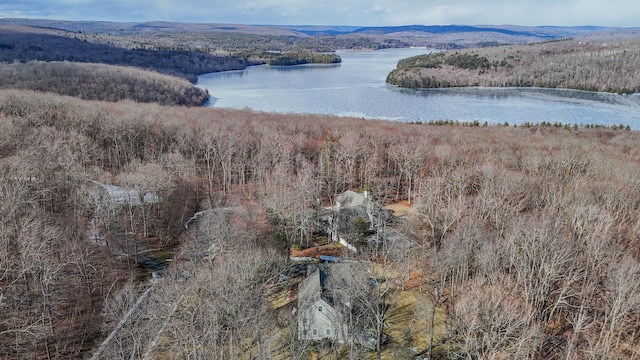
337, 12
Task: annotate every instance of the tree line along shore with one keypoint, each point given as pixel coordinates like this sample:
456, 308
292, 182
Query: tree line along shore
589, 64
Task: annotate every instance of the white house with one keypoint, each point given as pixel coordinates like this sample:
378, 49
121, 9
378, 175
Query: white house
318, 316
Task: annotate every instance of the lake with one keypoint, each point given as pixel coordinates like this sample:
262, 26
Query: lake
357, 88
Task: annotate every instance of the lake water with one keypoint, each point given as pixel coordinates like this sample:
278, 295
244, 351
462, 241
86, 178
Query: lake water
357, 87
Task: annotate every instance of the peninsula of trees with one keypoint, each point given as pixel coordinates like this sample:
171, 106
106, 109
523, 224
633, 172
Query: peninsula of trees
594, 65
91, 81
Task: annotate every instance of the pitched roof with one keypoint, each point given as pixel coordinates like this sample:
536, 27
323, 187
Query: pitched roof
313, 288
316, 286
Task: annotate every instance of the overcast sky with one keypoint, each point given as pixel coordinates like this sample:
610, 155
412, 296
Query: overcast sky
623, 13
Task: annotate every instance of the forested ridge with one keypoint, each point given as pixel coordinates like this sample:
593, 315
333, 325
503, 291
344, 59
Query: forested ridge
24, 44
101, 82
527, 237
585, 64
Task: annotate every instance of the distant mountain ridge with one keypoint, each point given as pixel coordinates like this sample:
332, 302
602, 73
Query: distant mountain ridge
443, 29
541, 32
386, 30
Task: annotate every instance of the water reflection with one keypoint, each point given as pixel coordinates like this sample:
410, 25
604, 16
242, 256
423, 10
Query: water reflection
223, 75
239, 74
303, 68
509, 93
478, 93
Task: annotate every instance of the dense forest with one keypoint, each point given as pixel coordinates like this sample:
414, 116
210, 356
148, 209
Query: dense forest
593, 65
527, 237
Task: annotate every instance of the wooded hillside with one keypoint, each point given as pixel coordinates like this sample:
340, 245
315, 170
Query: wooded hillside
101, 82
24, 44
528, 237
595, 65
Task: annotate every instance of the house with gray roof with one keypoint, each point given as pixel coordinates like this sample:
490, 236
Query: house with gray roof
332, 304
356, 220
352, 215
320, 314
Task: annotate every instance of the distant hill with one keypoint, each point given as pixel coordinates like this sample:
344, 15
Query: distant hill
460, 36
540, 32
132, 28
314, 30
447, 29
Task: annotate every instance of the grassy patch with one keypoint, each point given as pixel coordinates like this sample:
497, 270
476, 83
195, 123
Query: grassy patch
279, 299
409, 322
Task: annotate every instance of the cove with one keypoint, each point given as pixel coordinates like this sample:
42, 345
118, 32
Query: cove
356, 87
